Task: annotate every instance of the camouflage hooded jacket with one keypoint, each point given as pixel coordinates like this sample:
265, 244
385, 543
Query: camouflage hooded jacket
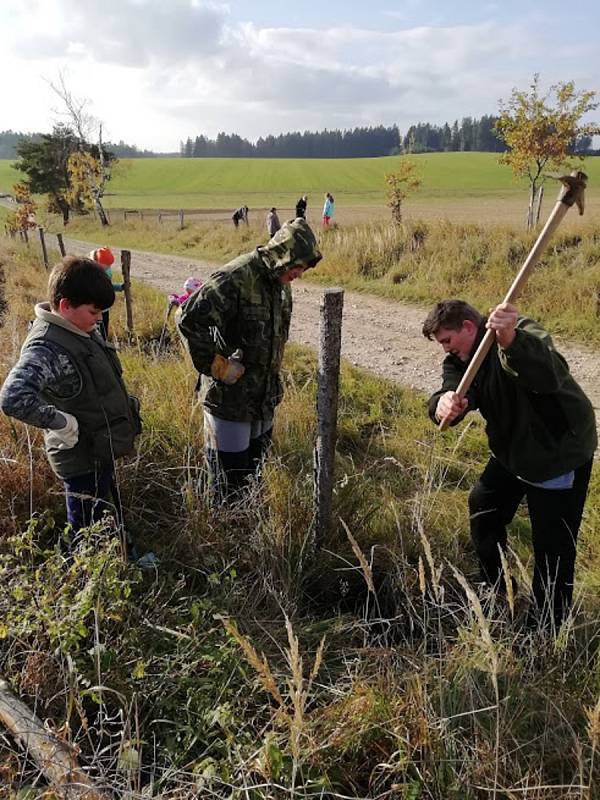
245, 306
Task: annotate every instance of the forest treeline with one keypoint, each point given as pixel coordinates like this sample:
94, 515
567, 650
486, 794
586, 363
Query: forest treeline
365, 142
9, 141
470, 134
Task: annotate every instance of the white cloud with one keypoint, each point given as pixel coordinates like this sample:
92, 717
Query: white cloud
160, 70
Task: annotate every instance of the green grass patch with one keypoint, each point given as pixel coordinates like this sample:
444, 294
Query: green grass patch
212, 183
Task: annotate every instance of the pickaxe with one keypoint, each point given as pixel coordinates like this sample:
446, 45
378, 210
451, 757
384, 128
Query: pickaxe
571, 193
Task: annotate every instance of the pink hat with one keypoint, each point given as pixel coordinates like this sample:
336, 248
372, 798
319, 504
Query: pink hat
192, 284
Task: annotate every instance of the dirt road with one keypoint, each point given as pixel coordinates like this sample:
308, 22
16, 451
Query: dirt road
380, 335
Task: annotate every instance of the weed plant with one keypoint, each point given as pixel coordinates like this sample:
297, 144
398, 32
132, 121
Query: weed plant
251, 664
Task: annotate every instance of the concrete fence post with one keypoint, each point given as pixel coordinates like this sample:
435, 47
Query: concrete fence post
330, 341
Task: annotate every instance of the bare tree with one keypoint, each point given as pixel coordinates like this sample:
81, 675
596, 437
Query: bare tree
91, 162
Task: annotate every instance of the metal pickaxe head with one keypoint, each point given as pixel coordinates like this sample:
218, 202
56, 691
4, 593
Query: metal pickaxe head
574, 189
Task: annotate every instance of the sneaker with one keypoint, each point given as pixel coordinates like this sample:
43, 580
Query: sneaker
148, 561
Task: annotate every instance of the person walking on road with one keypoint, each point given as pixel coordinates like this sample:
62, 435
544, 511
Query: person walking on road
273, 223
301, 207
328, 209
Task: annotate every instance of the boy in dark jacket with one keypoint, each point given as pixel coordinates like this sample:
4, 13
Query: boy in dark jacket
541, 431
68, 381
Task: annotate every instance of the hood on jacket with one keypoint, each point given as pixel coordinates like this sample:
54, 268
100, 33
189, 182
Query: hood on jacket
293, 244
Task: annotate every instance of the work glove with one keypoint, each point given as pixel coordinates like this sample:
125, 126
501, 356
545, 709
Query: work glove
63, 438
228, 370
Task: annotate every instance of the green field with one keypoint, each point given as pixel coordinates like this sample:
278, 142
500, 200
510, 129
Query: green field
457, 186
219, 182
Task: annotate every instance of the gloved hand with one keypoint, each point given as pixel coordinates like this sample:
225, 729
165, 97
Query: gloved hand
228, 370
118, 287
63, 438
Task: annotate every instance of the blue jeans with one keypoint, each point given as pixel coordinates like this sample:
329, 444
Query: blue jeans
87, 497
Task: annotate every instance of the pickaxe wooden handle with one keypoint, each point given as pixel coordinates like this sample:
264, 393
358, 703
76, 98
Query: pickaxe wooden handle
572, 193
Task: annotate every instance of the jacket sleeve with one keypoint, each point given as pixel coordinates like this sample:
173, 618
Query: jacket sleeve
207, 312
451, 377
532, 361
39, 368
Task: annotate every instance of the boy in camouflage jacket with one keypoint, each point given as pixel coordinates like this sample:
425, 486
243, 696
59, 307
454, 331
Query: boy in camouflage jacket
68, 381
236, 327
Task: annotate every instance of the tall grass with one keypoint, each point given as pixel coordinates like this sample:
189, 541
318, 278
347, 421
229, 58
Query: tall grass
210, 677
416, 262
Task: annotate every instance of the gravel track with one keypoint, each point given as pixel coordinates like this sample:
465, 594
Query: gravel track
383, 336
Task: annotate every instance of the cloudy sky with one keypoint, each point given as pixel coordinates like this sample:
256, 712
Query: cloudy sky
157, 71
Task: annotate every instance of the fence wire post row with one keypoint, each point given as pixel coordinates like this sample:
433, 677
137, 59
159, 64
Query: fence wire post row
330, 341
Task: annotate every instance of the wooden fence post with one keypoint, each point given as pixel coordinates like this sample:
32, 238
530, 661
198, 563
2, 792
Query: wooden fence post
160, 217
330, 341
44, 250
126, 270
61, 244
181, 219
56, 760
124, 216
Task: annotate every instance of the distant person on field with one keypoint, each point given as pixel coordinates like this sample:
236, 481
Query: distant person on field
542, 436
273, 223
301, 207
235, 329
104, 257
240, 215
327, 209
68, 382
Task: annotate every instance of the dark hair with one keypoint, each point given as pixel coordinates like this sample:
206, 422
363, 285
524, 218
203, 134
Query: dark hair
80, 280
450, 314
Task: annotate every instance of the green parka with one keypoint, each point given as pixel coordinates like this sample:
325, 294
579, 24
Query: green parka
245, 306
540, 424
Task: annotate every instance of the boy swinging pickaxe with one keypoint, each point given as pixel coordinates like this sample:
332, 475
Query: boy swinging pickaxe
572, 193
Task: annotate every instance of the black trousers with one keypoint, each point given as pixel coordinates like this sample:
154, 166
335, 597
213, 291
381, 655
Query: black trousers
555, 516
230, 474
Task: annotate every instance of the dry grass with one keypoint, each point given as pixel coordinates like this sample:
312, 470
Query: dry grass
425, 688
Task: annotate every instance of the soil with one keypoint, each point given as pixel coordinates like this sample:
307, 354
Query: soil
383, 336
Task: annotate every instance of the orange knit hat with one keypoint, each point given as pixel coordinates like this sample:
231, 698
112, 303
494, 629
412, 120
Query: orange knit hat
104, 256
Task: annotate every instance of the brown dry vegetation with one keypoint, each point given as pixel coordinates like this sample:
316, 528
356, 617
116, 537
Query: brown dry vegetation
207, 677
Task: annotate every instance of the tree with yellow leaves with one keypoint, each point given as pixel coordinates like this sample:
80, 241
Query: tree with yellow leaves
399, 185
541, 131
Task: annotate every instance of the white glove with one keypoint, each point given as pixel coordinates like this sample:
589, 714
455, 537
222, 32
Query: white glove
63, 438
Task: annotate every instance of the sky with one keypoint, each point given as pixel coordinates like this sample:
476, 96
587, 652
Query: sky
157, 71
